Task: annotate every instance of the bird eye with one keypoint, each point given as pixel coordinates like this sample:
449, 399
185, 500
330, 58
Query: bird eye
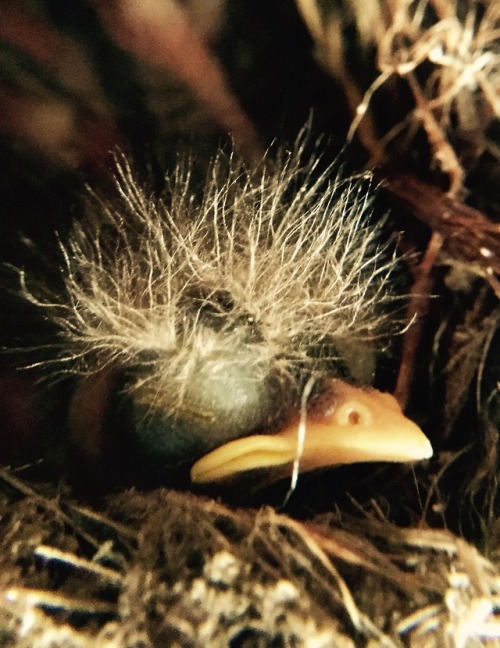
210, 301
353, 362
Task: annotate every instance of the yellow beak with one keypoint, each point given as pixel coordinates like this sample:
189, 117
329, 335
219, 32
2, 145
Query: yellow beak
344, 425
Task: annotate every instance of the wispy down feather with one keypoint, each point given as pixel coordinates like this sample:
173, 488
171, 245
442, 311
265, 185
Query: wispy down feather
281, 260
218, 308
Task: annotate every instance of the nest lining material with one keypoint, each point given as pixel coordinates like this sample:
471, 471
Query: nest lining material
167, 568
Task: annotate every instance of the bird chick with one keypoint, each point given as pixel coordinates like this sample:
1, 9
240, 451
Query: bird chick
220, 322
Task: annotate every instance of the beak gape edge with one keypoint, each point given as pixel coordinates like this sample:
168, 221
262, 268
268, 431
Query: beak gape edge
344, 425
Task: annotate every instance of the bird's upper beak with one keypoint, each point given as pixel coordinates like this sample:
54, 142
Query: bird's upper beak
344, 424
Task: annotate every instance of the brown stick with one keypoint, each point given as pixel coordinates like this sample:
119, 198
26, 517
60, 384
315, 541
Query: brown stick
417, 310
469, 237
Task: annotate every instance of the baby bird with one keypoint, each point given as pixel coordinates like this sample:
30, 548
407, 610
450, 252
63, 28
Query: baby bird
224, 330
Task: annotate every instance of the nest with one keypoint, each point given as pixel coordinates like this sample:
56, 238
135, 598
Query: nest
170, 568
407, 558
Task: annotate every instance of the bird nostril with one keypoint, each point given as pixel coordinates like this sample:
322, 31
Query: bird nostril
354, 413
354, 417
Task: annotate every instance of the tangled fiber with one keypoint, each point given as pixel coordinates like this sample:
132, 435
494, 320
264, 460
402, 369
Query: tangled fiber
171, 569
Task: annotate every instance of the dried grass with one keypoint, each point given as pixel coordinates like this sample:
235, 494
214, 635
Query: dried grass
177, 569
447, 53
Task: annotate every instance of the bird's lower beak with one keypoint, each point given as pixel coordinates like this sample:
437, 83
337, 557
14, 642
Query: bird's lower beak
344, 424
